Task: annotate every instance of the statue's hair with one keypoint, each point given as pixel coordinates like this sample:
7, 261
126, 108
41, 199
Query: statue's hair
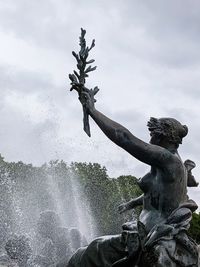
48, 220
170, 128
49, 216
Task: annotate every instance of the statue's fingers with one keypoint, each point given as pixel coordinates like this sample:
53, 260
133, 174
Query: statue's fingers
85, 93
119, 209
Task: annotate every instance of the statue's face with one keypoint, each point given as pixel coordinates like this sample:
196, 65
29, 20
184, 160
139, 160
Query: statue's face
44, 230
47, 224
155, 139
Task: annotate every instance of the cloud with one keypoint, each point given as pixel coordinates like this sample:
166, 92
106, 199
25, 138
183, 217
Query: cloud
148, 61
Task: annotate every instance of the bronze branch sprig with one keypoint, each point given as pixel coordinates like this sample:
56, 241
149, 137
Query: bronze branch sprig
78, 78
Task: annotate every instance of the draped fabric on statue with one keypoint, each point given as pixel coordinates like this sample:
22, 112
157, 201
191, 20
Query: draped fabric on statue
103, 251
167, 244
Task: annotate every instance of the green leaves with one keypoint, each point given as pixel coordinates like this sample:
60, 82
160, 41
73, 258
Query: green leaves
194, 230
105, 194
30, 186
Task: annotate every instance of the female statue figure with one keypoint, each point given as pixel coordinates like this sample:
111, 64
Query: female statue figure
161, 233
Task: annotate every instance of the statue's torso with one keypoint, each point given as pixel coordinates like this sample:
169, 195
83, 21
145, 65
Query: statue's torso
164, 190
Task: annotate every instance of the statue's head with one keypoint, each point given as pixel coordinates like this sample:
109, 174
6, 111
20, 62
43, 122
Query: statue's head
48, 223
166, 129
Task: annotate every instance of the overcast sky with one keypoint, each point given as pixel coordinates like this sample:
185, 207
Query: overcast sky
148, 59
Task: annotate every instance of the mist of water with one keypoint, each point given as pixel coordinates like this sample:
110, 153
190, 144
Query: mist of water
84, 219
27, 197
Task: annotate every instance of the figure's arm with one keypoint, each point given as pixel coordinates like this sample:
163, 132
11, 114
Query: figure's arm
145, 152
133, 203
190, 165
191, 182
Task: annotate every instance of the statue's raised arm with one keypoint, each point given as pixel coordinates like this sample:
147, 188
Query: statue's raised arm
155, 153
161, 230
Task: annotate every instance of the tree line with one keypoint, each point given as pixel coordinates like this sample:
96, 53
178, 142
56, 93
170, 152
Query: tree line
26, 191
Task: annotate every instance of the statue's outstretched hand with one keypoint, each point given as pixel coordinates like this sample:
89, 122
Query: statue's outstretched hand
122, 208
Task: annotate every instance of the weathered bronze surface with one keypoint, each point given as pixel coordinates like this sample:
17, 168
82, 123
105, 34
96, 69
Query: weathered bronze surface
159, 237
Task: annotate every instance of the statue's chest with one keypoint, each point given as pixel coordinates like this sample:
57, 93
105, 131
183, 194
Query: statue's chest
150, 184
146, 183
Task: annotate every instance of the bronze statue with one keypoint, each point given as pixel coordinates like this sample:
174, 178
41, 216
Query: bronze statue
159, 237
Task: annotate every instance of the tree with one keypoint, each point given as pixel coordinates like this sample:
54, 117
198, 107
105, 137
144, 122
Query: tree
77, 192
194, 230
105, 194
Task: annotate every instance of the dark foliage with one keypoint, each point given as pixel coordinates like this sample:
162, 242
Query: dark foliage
194, 230
26, 191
